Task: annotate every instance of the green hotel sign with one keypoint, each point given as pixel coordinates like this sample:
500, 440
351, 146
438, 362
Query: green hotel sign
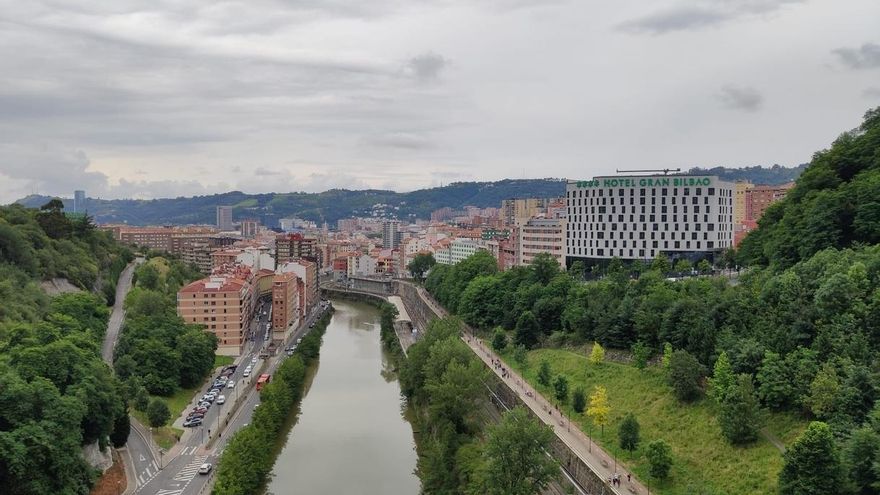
646, 182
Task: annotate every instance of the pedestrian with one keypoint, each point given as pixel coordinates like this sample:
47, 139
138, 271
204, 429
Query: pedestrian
628, 478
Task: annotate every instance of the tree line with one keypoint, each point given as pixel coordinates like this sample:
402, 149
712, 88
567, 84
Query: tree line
247, 460
157, 351
445, 384
57, 393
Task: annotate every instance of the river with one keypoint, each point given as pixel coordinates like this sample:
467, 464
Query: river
351, 436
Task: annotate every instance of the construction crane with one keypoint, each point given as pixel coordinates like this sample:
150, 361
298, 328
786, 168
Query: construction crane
665, 171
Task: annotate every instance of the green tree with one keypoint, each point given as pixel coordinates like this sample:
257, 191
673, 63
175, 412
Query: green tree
515, 458
812, 464
685, 375
544, 373
704, 266
148, 277
661, 263
499, 339
683, 266
597, 354
774, 382
667, 355
861, 453
420, 265
158, 413
723, 379
824, 391
579, 400
599, 409
544, 267
628, 433
53, 221
641, 353
659, 455
142, 400
527, 330
520, 356
739, 415
560, 388
121, 429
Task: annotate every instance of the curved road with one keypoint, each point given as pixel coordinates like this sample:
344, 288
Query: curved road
118, 314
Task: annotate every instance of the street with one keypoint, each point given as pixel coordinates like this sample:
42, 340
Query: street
197, 446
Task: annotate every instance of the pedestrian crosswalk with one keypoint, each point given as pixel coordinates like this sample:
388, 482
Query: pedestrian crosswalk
190, 470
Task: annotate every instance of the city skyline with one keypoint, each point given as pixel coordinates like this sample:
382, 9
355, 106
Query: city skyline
145, 100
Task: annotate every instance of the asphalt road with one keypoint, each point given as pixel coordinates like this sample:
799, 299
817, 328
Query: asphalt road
180, 474
117, 316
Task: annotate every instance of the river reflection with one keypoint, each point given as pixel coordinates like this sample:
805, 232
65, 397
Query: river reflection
351, 437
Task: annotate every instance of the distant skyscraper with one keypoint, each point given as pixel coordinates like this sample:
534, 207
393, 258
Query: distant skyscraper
390, 234
224, 217
79, 202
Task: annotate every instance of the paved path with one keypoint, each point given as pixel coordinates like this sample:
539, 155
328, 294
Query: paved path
594, 456
117, 316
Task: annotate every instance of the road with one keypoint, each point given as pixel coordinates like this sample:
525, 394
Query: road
117, 316
179, 475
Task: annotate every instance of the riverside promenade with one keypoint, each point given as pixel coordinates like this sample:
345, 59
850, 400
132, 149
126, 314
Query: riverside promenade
600, 462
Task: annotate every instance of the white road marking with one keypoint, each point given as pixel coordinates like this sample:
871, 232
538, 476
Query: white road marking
142, 459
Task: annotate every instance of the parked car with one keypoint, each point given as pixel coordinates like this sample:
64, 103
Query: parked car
214, 391
253, 360
194, 415
210, 398
192, 422
221, 399
247, 372
198, 409
230, 385
205, 468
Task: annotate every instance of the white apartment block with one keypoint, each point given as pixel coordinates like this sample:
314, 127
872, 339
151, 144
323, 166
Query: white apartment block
639, 217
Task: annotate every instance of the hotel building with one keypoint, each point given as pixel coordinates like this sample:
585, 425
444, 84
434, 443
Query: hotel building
639, 217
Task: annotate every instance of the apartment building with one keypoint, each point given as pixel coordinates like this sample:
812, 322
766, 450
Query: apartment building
285, 302
541, 235
223, 305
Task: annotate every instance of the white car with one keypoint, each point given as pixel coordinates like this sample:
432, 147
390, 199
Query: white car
205, 468
230, 385
221, 399
246, 373
254, 359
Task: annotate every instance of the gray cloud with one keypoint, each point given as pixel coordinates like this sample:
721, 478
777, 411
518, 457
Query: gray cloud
866, 56
403, 140
427, 66
872, 92
204, 96
741, 98
700, 14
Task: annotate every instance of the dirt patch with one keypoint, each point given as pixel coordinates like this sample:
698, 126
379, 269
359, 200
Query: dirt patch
113, 481
57, 286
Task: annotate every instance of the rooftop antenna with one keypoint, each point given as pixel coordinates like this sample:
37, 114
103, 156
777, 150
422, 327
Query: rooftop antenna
665, 171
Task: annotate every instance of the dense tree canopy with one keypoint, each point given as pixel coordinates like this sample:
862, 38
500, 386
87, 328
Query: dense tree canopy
56, 393
835, 203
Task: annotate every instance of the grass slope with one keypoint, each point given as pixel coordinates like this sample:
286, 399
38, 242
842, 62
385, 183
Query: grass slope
703, 461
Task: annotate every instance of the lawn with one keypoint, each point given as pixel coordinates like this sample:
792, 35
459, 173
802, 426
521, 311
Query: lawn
222, 360
703, 460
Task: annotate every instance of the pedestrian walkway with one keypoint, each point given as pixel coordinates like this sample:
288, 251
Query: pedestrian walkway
604, 465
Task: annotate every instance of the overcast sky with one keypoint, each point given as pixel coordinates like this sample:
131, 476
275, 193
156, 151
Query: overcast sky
158, 98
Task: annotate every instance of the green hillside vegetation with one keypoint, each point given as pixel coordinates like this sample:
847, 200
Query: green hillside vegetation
702, 456
334, 204
835, 203
157, 350
56, 392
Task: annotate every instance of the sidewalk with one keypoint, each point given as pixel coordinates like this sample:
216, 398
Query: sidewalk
570, 434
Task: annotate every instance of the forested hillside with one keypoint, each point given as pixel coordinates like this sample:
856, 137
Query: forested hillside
835, 204
56, 393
